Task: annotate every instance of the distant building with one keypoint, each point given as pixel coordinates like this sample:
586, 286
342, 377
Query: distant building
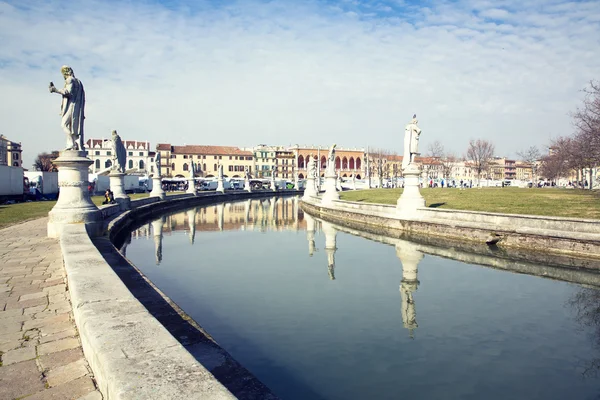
10, 152
140, 160
348, 162
176, 161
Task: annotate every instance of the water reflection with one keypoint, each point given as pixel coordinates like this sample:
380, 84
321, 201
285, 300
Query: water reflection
409, 257
157, 234
586, 306
310, 234
330, 246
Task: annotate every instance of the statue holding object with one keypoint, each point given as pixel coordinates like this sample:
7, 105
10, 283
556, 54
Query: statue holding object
119, 154
331, 161
72, 108
412, 132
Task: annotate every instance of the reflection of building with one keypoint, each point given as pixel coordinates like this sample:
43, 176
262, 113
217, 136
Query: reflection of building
139, 157
176, 161
330, 247
409, 257
10, 152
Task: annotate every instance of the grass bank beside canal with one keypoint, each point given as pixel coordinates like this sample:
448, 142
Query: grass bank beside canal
11, 214
542, 201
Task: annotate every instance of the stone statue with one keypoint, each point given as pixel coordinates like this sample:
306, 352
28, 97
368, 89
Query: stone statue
220, 169
119, 154
157, 162
192, 170
72, 108
246, 172
311, 167
411, 142
331, 161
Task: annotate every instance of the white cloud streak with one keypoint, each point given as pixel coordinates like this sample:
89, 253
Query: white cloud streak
280, 72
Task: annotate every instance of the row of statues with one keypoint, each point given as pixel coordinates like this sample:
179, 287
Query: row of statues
73, 116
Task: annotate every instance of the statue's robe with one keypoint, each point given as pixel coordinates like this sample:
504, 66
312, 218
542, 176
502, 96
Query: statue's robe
72, 109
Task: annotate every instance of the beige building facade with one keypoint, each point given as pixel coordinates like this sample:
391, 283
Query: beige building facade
11, 153
176, 161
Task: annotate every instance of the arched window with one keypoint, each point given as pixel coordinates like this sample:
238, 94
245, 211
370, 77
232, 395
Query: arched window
204, 167
344, 163
185, 167
301, 162
107, 164
323, 162
97, 163
351, 163
337, 163
173, 166
357, 176
358, 163
215, 168
300, 176
198, 167
130, 164
141, 163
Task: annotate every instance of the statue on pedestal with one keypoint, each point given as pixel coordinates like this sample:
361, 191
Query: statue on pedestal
311, 168
330, 170
72, 108
247, 173
157, 162
220, 171
119, 154
412, 132
192, 170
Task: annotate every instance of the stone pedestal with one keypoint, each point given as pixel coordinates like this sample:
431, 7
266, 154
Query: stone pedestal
338, 183
247, 187
117, 181
74, 205
273, 185
157, 190
220, 186
296, 182
331, 192
411, 198
309, 188
191, 187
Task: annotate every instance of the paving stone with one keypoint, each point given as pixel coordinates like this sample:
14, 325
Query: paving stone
10, 314
54, 360
70, 390
57, 289
34, 310
26, 374
52, 282
18, 355
96, 395
55, 328
38, 323
59, 345
10, 327
26, 303
30, 296
59, 336
66, 373
4, 347
9, 337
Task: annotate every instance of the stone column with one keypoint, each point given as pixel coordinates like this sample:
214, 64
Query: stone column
273, 185
410, 257
410, 199
296, 181
192, 187
191, 215
338, 182
309, 188
330, 247
310, 233
74, 205
220, 186
157, 190
331, 192
247, 187
157, 233
117, 181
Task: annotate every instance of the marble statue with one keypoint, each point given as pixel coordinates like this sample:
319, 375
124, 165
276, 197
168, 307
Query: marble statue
311, 167
331, 161
119, 154
220, 168
72, 108
192, 170
246, 172
412, 132
157, 162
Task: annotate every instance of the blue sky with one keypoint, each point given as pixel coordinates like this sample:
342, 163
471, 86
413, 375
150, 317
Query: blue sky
306, 72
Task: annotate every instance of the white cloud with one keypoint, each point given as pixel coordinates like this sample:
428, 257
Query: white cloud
290, 72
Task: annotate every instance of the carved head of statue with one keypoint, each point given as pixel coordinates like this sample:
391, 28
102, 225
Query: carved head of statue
66, 71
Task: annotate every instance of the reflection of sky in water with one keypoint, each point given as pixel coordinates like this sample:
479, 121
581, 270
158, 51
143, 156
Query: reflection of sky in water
436, 328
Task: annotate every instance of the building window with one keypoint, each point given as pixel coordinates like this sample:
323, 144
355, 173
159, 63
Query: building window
151, 159
141, 153
215, 167
15, 164
107, 164
230, 157
130, 153
15, 156
141, 164
97, 153
130, 164
151, 168
108, 153
185, 167
185, 156
97, 164
230, 168
173, 166
204, 167
204, 157
220, 157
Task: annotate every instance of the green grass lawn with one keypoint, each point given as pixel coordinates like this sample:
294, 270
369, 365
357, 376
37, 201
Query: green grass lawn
552, 202
15, 213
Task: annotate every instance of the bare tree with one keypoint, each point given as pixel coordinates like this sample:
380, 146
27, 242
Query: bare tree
448, 162
44, 161
435, 149
480, 152
531, 156
559, 159
587, 138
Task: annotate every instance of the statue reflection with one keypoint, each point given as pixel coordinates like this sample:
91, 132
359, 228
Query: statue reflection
247, 205
220, 214
330, 247
191, 215
157, 232
273, 210
409, 257
126, 242
586, 305
295, 210
310, 234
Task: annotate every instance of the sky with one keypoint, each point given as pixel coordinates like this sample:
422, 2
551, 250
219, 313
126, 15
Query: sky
310, 72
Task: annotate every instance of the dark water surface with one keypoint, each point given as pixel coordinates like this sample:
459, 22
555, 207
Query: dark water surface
361, 319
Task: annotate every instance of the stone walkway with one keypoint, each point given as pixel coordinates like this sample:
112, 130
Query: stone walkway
41, 355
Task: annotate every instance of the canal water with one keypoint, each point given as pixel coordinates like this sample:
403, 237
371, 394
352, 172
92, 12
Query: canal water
318, 313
